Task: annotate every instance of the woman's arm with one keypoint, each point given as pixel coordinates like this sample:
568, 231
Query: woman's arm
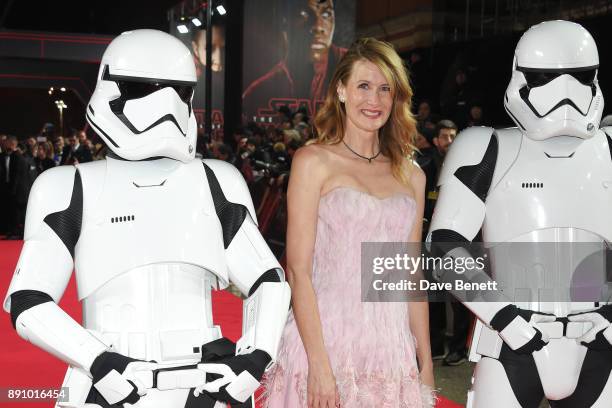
419, 311
303, 195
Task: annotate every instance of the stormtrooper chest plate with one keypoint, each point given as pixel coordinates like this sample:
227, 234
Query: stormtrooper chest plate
545, 190
146, 213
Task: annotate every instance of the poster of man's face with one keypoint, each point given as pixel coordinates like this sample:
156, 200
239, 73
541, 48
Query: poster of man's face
313, 21
309, 36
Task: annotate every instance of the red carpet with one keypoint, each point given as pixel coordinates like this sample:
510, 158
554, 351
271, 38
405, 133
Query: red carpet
24, 365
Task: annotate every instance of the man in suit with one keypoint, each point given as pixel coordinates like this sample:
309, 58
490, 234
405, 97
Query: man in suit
76, 152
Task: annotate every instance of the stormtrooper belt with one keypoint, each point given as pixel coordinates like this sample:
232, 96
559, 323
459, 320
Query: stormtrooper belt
191, 376
562, 327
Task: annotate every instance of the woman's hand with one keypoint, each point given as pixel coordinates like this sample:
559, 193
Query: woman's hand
427, 376
321, 388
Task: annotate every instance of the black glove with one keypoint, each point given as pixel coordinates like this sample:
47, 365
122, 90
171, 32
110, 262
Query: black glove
112, 380
232, 379
517, 328
599, 337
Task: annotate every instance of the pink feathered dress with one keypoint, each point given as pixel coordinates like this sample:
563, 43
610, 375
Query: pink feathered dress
370, 346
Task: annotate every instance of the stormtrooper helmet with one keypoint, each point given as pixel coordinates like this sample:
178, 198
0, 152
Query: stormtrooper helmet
554, 90
141, 106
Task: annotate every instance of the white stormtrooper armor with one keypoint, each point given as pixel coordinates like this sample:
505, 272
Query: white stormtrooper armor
547, 181
149, 233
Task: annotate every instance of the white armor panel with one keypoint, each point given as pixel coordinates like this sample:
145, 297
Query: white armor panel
258, 330
248, 252
160, 312
50, 328
542, 187
147, 226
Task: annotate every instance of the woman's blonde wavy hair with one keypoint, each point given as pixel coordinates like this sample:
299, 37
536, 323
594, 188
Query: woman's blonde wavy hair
396, 137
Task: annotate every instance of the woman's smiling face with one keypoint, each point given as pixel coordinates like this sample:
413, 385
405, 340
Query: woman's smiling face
367, 95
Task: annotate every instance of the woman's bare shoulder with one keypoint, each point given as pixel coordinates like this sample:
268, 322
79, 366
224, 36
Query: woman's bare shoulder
311, 164
414, 176
417, 175
312, 155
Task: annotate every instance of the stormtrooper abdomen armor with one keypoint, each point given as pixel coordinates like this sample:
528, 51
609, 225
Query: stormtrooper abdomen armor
151, 298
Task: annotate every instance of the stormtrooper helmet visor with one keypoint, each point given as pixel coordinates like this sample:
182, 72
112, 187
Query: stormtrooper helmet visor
547, 90
144, 103
134, 88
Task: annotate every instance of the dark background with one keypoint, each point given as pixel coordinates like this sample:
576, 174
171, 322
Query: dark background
488, 63
96, 17
486, 60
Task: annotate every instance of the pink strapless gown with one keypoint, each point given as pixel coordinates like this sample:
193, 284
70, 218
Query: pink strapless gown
370, 346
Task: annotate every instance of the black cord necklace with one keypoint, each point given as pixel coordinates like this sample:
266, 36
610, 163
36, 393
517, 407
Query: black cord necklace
369, 159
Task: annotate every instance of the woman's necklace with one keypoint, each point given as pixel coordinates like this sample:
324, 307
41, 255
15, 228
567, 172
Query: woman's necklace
369, 159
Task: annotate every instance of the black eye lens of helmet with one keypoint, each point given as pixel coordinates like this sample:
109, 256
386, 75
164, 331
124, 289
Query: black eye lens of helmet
537, 78
184, 92
585, 77
135, 90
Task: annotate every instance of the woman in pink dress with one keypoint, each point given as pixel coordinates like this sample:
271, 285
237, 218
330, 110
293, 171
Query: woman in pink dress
355, 184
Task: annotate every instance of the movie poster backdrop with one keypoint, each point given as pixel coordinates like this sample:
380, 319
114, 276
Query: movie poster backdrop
290, 50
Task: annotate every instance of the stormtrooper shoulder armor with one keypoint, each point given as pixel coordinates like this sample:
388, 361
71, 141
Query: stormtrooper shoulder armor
474, 147
465, 177
52, 230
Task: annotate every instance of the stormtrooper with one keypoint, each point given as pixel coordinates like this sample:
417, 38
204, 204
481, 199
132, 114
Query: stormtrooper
150, 231
545, 185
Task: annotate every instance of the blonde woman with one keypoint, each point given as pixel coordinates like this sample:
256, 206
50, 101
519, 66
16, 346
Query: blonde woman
354, 184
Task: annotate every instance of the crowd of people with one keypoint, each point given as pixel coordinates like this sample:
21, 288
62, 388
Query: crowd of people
260, 151
22, 161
